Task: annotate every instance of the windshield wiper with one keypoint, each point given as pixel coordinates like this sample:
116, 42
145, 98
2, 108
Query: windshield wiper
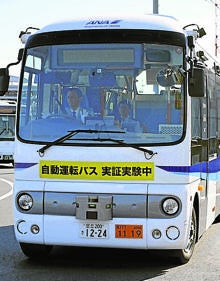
3, 131
121, 142
73, 133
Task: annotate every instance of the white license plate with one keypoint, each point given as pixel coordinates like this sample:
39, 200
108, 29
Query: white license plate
94, 230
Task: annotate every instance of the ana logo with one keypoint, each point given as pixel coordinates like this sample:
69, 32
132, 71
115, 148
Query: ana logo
102, 22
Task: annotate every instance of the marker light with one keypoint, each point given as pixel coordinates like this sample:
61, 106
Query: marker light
35, 229
156, 234
170, 206
22, 227
172, 232
25, 201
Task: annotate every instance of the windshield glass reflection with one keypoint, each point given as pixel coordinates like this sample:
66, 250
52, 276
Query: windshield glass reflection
136, 90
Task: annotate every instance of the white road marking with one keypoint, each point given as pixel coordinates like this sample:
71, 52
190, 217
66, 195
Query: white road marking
10, 192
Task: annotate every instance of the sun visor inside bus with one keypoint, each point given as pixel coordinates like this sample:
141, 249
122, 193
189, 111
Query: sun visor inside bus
106, 79
56, 77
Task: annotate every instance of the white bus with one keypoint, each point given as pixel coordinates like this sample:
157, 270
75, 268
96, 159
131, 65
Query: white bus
7, 129
147, 181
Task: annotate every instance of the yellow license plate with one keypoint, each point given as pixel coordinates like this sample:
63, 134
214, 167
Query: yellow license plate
132, 231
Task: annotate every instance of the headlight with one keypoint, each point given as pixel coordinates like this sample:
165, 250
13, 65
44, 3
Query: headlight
25, 201
170, 206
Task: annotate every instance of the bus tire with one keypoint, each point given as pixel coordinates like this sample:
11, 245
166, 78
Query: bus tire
184, 255
36, 251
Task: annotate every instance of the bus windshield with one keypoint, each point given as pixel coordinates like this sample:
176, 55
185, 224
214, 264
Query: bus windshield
7, 121
132, 92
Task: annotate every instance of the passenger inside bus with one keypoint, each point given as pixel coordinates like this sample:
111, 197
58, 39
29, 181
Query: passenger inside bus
125, 120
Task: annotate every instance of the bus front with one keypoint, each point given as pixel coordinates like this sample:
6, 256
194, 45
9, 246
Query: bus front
7, 130
102, 179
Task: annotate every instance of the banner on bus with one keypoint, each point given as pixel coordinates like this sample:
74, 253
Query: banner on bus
81, 170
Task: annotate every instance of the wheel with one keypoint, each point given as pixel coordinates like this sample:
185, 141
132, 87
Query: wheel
36, 251
184, 255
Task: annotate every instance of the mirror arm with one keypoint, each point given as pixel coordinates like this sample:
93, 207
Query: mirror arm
11, 64
19, 58
191, 45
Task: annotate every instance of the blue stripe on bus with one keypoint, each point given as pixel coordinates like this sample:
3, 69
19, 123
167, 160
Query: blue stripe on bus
24, 165
213, 167
204, 167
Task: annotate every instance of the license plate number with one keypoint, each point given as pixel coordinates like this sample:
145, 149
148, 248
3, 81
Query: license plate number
132, 231
94, 230
7, 157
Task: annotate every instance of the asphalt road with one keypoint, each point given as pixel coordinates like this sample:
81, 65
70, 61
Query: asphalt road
86, 264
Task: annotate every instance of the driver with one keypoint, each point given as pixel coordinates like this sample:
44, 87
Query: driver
74, 98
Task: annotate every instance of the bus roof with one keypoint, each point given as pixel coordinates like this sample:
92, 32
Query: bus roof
148, 22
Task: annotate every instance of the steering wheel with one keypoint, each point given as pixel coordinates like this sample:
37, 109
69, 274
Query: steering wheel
54, 116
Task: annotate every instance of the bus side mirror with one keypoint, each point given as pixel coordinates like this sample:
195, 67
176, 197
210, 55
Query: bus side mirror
4, 81
196, 82
4, 74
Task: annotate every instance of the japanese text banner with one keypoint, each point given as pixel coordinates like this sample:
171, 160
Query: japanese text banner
81, 170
